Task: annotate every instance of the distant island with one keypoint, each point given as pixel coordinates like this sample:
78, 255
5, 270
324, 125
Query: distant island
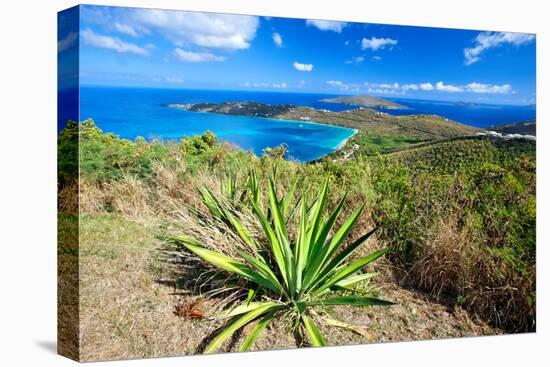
364, 101
466, 104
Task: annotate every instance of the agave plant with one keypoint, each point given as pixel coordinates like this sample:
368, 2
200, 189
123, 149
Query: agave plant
296, 277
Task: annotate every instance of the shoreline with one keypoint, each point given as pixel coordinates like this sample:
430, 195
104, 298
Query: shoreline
345, 141
338, 148
335, 149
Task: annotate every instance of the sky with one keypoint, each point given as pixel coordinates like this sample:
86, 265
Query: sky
135, 47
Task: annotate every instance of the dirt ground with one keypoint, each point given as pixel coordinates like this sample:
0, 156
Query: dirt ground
128, 296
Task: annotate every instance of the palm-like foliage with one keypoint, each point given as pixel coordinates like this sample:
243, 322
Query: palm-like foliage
288, 276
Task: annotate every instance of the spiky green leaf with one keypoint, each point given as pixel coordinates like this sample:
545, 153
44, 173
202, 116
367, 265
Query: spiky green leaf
241, 309
260, 326
236, 325
273, 242
226, 263
320, 249
315, 336
349, 270
355, 279
279, 225
262, 268
350, 301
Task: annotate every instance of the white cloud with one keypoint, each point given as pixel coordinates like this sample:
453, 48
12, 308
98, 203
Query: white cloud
380, 90
224, 31
384, 88
389, 86
448, 87
189, 56
473, 87
126, 29
489, 88
338, 84
327, 25
265, 85
397, 88
488, 40
174, 80
376, 58
280, 85
93, 39
302, 67
408, 87
67, 42
377, 43
356, 60
277, 39
426, 86
335, 83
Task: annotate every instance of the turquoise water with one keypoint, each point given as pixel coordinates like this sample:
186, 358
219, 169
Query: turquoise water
130, 113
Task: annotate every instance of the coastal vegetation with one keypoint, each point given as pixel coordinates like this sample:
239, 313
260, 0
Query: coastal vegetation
455, 212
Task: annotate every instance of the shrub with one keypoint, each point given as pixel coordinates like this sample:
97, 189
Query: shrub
295, 277
461, 219
106, 156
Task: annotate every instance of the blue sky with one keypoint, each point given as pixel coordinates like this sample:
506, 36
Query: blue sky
162, 48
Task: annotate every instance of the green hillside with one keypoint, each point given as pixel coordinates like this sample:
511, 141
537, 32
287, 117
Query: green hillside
424, 127
461, 215
467, 153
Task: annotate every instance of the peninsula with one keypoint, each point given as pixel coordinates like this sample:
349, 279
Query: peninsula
422, 127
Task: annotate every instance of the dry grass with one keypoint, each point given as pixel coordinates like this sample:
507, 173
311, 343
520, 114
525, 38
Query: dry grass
454, 265
128, 293
67, 199
68, 285
125, 312
129, 197
447, 259
92, 198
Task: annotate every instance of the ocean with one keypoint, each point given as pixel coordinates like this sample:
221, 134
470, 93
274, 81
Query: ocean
473, 114
132, 112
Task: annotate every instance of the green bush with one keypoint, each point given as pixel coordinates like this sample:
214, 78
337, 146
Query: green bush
482, 189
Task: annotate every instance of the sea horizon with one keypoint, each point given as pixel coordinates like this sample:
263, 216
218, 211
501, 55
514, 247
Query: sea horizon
284, 91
